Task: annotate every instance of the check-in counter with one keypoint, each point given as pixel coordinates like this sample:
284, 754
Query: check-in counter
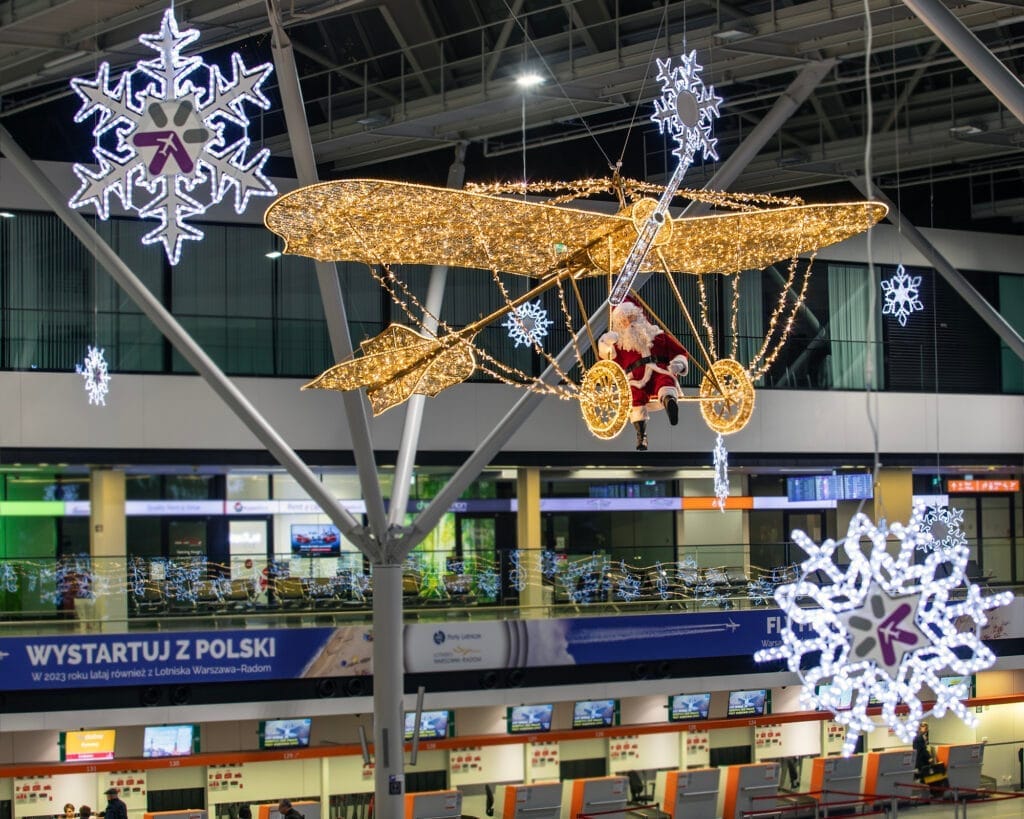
691, 794
748, 788
606, 795
963, 764
195, 813
538, 800
433, 805
833, 779
886, 771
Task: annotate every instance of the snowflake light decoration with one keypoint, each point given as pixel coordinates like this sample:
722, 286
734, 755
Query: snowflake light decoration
97, 376
884, 627
943, 524
901, 296
528, 324
168, 129
687, 108
628, 585
721, 456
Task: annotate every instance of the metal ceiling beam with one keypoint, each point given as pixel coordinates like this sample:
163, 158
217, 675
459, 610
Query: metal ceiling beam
180, 339
909, 87
975, 55
330, 289
403, 44
992, 317
502, 41
792, 98
356, 79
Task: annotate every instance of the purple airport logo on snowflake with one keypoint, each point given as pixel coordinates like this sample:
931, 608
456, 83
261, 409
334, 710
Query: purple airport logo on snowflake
882, 625
172, 137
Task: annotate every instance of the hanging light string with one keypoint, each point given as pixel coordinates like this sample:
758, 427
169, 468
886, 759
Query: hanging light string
529, 43
870, 395
662, 26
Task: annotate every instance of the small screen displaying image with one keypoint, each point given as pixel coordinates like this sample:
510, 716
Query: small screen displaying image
593, 713
953, 681
167, 740
529, 719
747, 703
286, 733
433, 724
845, 699
315, 539
82, 746
689, 707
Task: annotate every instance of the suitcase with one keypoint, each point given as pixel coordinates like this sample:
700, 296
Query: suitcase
934, 776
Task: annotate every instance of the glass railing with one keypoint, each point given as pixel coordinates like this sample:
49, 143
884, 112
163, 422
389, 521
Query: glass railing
82, 593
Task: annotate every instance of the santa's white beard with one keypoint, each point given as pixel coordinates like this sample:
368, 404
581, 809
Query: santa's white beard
638, 336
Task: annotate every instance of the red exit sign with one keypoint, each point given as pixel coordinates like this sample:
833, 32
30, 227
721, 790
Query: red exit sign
992, 485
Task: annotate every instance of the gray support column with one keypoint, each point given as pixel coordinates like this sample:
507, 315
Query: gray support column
327, 276
414, 409
182, 341
789, 100
972, 52
967, 292
388, 683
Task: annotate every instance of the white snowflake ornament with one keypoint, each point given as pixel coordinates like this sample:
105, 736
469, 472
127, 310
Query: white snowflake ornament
97, 376
528, 324
172, 137
883, 627
943, 524
687, 108
901, 295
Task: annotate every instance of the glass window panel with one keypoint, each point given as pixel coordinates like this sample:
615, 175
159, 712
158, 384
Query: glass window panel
247, 487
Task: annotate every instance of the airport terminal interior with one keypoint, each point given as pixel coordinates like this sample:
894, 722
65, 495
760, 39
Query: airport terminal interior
538, 409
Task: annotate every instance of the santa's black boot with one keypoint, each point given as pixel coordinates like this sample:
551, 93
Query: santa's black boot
671, 408
641, 435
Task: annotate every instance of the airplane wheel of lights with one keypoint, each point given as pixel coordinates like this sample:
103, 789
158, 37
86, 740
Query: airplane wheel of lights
726, 409
605, 399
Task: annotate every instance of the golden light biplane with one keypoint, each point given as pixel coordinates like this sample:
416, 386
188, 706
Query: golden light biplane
384, 223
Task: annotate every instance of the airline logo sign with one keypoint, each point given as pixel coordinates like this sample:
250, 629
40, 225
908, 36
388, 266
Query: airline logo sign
981, 486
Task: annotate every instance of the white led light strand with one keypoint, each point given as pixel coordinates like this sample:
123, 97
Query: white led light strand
176, 129
883, 628
97, 376
721, 456
901, 295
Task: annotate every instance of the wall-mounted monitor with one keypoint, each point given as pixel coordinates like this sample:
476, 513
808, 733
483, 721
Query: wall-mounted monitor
169, 740
689, 707
954, 680
856, 486
529, 719
315, 539
83, 746
753, 703
433, 724
285, 733
595, 713
845, 699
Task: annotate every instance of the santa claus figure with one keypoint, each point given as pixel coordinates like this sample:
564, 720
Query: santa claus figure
652, 360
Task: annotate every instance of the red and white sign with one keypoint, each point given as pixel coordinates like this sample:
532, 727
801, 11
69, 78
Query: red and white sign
987, 485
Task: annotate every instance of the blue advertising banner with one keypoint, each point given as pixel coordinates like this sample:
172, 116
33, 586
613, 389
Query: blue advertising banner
183, 657
235, 655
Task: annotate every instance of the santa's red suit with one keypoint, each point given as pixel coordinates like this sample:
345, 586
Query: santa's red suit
652, 360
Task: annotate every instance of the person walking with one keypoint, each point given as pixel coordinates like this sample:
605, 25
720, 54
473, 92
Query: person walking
116, 809
286, 810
